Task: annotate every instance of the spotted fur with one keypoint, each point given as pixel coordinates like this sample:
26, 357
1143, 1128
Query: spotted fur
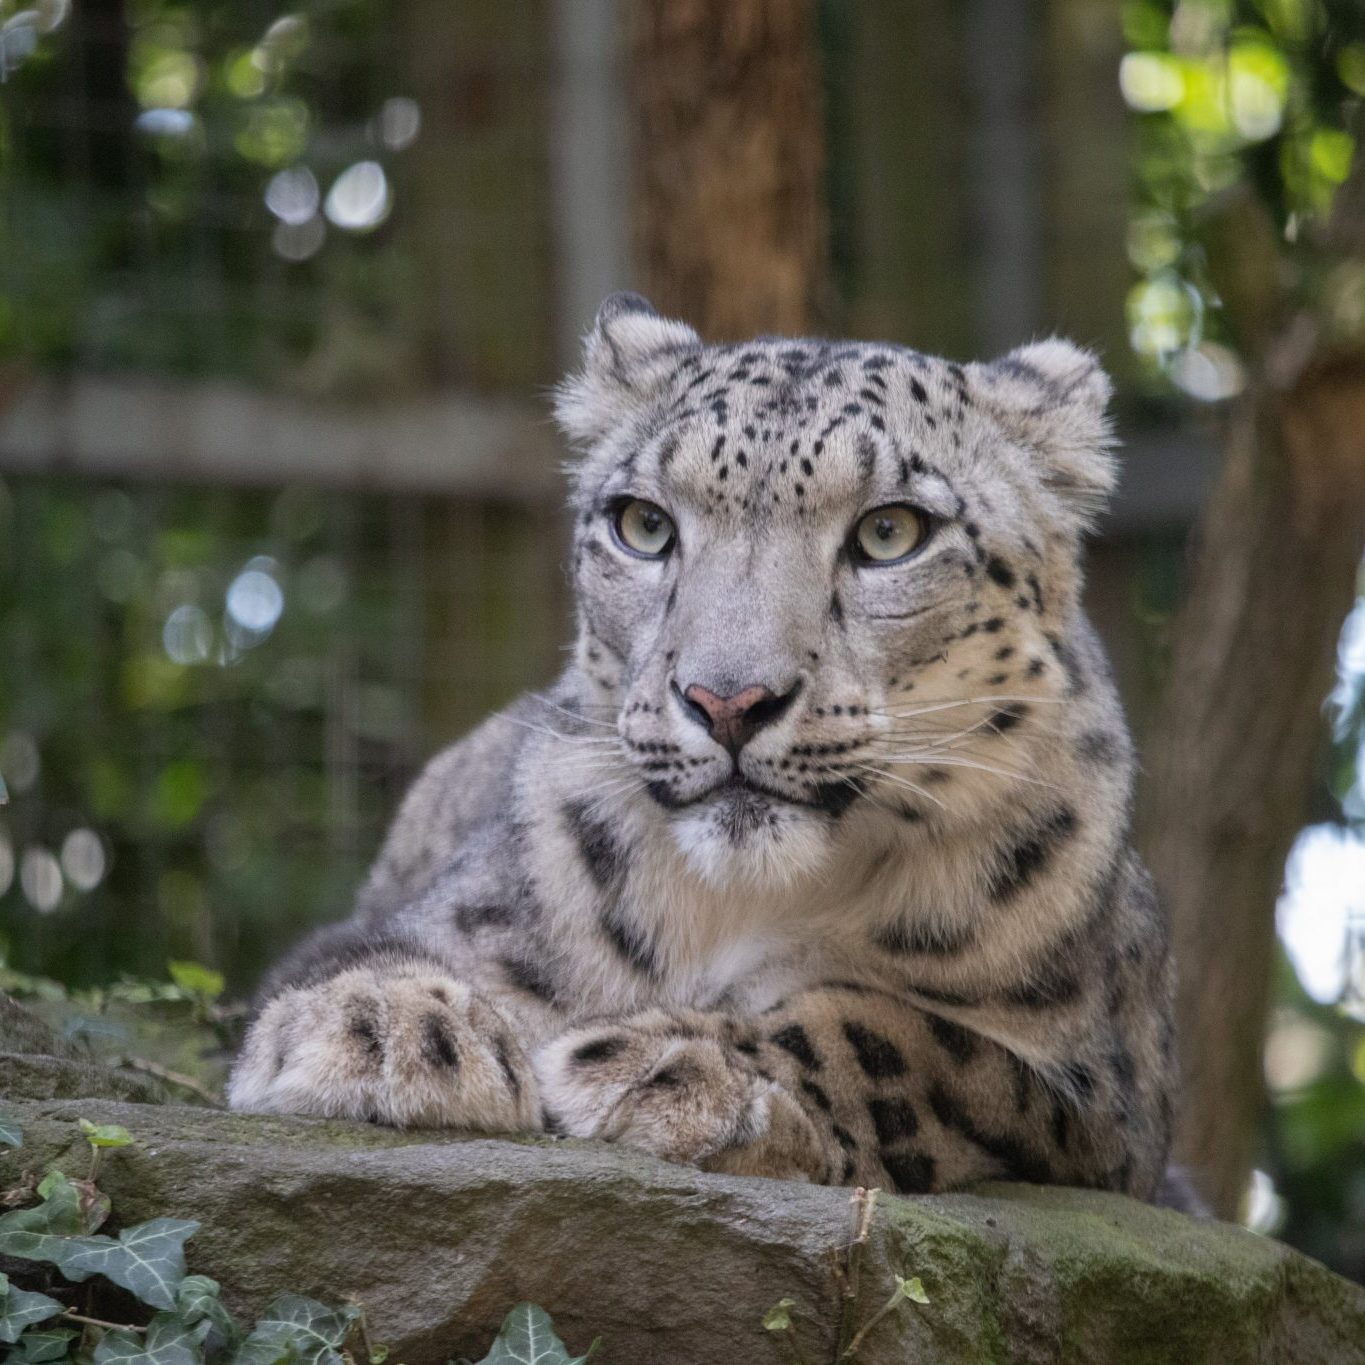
900, 939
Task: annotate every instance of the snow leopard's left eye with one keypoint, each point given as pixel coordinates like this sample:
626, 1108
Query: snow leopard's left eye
644, 528
887, 534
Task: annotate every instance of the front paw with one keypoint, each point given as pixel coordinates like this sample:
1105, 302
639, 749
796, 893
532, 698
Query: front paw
683, 1098
412, 1048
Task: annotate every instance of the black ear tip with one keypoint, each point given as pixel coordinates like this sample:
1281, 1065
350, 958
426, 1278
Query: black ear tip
622, 302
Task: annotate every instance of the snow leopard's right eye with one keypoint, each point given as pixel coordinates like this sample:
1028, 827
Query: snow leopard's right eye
643, 528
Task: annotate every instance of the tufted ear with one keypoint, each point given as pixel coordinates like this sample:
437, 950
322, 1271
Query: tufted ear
627, 356
1051, 396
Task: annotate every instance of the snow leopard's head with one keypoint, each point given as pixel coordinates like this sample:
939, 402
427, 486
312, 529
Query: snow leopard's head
817, 577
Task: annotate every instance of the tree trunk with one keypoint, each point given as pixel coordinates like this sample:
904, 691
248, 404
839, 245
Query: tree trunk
728, 159
1231, 763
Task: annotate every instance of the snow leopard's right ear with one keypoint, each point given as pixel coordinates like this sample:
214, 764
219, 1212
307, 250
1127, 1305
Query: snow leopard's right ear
629, 354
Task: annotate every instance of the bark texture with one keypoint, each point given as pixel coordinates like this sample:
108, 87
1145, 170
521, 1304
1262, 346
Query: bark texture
1231, 765
726, 110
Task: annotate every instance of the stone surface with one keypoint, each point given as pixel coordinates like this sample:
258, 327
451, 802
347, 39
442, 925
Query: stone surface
438, 1235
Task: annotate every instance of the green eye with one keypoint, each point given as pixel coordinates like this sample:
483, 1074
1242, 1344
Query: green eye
887, 534
644, 529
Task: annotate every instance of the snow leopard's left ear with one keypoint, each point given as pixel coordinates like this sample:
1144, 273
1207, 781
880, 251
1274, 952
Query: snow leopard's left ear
1052, 397
627, 357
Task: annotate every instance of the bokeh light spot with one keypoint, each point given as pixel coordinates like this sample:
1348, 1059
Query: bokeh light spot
359, 199
40, 876
83, 859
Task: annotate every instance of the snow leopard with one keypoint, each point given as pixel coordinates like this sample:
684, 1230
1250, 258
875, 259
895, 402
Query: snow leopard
815, 863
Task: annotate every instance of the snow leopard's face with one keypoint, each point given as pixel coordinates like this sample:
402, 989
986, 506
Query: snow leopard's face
815, 576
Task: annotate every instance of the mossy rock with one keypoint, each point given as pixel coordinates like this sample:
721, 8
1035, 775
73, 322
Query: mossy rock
439, 1234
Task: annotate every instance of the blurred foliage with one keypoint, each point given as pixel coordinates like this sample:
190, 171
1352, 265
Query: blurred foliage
205, 721
202, 188
1249, 113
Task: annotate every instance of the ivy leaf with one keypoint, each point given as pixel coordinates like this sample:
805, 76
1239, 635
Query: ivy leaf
197, 1301
59, 1213
297, 1331
167, 1341
20, 1308
779, 1317
527, 1338
11, 1135
42, 1348
147, 1260
911, 1289
105, 1134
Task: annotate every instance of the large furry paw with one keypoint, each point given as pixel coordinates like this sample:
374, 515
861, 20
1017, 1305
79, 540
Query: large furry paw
408, 1047
683, 1098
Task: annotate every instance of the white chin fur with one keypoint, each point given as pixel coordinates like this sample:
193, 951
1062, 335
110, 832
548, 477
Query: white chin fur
764, 845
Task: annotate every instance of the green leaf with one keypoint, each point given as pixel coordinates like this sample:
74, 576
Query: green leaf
779, 1317
197, 979
105, 1134
59, 1213
297, 1331
197, 1300
167, 1341
4, 791
42, 1348
527, 1338
147, 1260
20, 1308
11, 1134
911, 1289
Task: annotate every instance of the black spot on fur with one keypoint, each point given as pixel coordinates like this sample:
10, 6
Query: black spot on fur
1007, 718
1098, 746
605, 860
919, 936
1016, 1161
469, 918
629, 940
1066, 656
845, 1139
836, 610
509, 1073
1061, 1125
816, 1095
438, 1047
669, 1077
795, 1040
362, 1024
893, 1119
878, 1056
1000, 572
1052, 986
1079, 1080
910, 1172
834, 798
959, 1043
1025, 858
598, 1050
530, 977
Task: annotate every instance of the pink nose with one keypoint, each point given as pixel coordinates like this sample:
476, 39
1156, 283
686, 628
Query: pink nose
734, 720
